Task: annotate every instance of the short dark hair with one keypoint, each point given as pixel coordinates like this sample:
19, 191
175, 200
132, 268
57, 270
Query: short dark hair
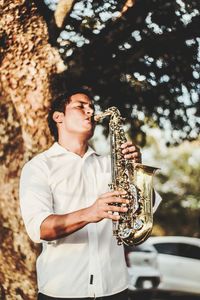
59, 103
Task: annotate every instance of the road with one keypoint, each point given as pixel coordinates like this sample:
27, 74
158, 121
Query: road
162, 296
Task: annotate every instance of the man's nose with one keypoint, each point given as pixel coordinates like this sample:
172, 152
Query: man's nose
90, 111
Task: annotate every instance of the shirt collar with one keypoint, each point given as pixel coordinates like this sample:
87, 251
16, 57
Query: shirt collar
56, 150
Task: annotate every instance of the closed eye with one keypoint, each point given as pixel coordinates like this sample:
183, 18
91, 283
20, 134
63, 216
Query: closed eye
84, 106
79, 106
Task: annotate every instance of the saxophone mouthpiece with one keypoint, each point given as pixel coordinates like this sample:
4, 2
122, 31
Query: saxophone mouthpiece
96, 118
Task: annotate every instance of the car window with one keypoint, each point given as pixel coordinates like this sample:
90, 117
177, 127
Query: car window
190, 251
179, 249
167, 248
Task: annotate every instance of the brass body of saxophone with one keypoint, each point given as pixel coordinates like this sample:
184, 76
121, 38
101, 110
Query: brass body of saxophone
134, 226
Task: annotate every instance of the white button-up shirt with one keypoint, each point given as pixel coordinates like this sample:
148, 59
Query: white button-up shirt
88, 262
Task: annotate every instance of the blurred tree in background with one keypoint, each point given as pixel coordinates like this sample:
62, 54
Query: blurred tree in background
27, 62
138, 55
142, 56
178, 184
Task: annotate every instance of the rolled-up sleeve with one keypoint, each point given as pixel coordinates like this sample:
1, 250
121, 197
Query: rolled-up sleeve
36, 202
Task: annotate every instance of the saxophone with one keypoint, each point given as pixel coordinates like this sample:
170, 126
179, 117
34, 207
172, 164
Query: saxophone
135, 225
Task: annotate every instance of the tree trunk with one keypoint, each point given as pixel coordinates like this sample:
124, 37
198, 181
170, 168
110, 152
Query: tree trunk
27, 63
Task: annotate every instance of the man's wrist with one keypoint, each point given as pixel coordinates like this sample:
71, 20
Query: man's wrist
86, 216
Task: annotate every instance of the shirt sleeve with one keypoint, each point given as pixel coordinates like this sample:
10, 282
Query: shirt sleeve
36, 201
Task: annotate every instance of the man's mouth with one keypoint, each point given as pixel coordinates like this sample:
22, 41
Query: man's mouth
90, 119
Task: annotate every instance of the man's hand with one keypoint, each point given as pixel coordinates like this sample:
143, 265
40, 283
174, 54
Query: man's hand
103, 207
131, 152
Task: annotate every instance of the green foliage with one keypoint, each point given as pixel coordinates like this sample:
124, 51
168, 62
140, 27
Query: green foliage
145, 59
178, 184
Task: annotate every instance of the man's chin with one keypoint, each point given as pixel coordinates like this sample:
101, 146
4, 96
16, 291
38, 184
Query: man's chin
90, 132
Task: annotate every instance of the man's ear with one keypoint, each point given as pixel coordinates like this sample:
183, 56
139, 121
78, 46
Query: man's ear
58, 116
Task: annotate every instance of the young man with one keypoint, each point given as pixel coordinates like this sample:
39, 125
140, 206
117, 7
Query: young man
66, 205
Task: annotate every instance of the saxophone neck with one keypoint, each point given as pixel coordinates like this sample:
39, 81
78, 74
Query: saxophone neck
101, 116
111, 111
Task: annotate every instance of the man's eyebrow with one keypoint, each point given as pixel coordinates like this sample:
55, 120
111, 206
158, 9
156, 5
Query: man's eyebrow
83, 102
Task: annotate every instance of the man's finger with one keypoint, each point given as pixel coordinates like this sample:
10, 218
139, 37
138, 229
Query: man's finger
113, 208
114, 217
116, 200
128, 143
130, 149
113, 194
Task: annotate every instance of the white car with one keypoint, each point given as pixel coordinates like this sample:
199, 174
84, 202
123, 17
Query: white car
179, 263
142, 268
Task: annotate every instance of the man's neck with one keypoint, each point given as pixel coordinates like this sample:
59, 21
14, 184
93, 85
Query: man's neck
74, 145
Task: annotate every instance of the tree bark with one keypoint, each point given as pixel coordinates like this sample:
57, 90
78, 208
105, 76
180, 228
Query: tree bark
27, 63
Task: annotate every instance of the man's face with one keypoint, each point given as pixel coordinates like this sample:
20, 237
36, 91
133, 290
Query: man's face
78, 115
